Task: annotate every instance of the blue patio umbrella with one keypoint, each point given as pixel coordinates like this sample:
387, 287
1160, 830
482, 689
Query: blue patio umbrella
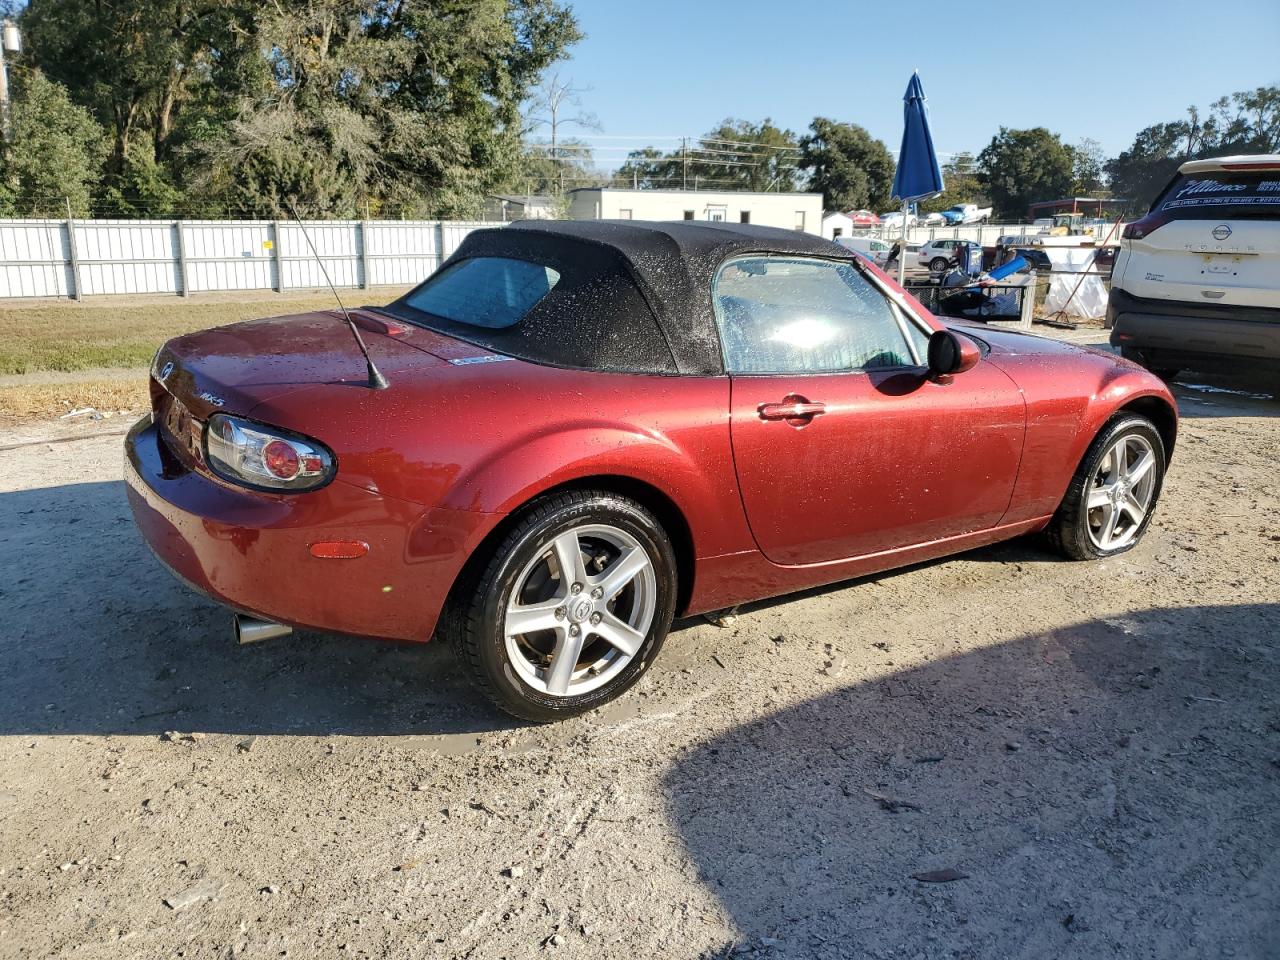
918, 176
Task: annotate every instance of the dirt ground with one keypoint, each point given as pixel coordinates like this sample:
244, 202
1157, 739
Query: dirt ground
1095, 748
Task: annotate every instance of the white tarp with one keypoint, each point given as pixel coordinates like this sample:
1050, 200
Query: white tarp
1073, 266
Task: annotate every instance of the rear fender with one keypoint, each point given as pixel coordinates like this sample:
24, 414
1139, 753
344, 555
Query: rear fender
705, 493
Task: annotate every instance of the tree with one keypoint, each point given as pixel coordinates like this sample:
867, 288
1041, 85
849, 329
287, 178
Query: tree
1087, 168
131, 63
960, 185
1021, 167
542, 172
743, 155
557, 104
56, 152
1139, 173
736, 155
849, 167
1245, 122
647, 169
410, 106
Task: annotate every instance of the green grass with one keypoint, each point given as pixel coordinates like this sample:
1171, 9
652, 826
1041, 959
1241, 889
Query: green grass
68, 336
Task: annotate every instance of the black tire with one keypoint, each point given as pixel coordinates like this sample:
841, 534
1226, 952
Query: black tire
477, 616
938, 264
1068, 532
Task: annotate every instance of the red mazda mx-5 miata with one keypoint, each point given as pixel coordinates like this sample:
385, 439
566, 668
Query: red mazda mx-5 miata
573, 432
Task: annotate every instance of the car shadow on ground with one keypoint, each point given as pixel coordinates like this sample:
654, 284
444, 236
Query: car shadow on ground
1088, 782
97, 638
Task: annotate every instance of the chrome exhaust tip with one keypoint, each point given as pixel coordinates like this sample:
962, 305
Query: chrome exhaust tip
252, 630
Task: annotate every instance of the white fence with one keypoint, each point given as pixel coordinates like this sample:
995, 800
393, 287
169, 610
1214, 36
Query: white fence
81, 258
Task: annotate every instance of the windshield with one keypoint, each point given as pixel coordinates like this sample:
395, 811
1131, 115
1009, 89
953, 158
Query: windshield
1219, 194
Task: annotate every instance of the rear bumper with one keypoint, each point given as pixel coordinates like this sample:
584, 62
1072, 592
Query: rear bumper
251, 551
1178, 334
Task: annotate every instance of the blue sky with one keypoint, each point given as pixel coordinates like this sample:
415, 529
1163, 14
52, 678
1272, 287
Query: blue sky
665, 68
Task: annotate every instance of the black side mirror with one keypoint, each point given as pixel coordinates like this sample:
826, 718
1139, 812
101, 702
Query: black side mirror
950, 353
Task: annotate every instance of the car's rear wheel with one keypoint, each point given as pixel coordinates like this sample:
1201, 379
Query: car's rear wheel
571, 608
1113, 493
938, 264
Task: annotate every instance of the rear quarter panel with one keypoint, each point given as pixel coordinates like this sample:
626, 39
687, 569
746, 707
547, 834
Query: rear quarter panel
488, 437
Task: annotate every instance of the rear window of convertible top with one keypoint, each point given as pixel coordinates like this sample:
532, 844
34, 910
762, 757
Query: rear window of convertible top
575, 308
488, 292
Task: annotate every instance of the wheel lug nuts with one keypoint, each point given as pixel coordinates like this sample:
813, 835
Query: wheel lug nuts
598, 592
574, 630
559, 613
595, 618
576, 588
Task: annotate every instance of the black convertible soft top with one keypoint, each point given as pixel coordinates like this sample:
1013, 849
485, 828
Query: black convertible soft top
634, 296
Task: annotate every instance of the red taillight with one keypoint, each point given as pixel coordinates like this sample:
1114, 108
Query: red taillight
339, 549
1143, 227
281, 459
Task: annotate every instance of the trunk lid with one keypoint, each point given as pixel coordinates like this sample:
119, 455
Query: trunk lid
237, 367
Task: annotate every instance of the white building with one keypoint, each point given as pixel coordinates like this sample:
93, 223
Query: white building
791, 211
837, 225
527, 207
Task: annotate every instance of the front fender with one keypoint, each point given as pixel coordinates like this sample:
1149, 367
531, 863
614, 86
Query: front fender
1061, 423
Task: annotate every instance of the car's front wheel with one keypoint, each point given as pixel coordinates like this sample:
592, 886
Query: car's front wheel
571, 608
1113, 493
938, 264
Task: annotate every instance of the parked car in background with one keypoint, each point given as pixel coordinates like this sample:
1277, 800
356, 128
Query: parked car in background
936, 254
1036, 257
1017, 239
932, 219
1196, 283
894, 219
876, 250
863, 218
509, 477
966, 213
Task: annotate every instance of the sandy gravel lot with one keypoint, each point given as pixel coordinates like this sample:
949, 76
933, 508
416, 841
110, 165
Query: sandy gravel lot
1095, 747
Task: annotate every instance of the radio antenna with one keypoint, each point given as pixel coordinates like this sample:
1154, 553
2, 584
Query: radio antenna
376, 380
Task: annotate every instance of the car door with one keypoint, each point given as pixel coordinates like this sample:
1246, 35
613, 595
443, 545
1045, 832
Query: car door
842, 444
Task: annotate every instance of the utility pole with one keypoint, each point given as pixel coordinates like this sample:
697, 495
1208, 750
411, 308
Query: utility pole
11, 43
684, 152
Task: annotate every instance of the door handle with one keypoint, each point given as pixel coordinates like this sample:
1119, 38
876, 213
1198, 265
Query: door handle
791, 408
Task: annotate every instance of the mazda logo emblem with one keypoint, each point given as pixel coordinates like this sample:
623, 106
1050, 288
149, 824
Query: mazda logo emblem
1221, 232
166, 370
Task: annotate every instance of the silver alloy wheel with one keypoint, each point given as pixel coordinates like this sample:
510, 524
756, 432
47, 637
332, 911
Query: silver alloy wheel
580, 611
1120, 492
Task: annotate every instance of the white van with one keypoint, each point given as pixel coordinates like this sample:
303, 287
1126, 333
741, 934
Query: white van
1197, 281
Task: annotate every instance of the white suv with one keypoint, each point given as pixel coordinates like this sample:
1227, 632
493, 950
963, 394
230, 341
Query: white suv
1197, 280
936, 254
